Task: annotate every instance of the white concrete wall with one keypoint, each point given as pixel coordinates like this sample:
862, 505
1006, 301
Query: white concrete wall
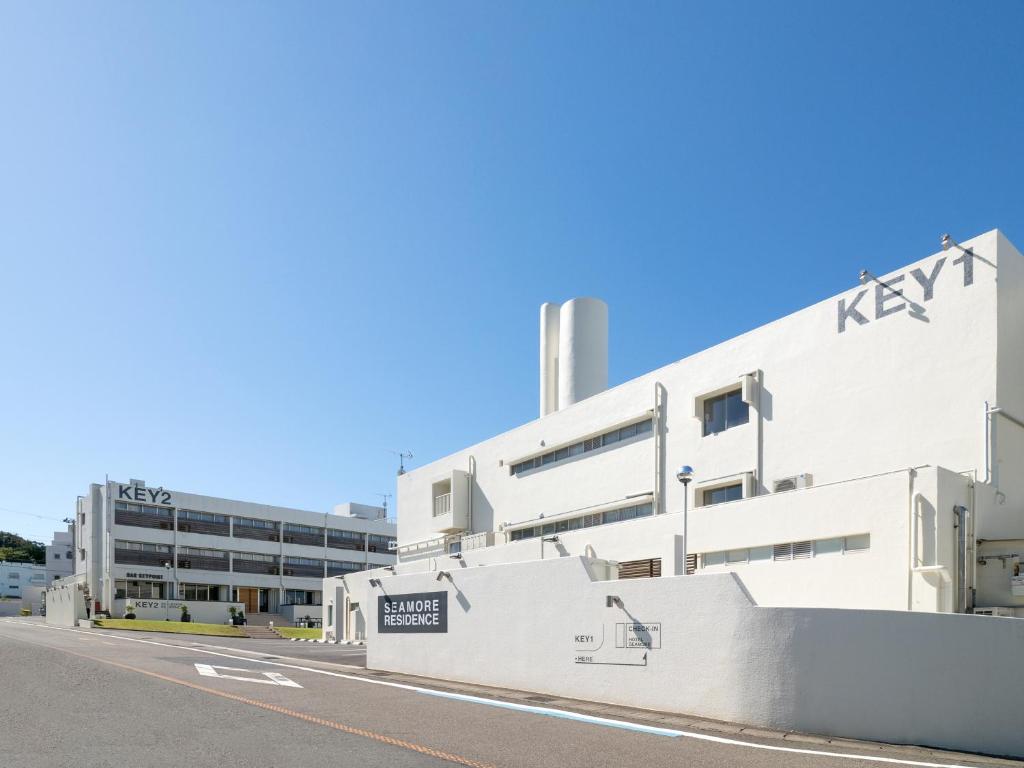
65, 605
201, 611
894, 676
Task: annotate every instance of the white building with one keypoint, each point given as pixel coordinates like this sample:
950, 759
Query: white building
865, 452
17, 578
60, 555
148, 545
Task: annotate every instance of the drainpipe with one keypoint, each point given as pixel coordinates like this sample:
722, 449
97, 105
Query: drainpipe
911, 538
470, 480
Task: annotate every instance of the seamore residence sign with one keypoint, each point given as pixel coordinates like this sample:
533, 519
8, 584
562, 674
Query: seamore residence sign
414, 612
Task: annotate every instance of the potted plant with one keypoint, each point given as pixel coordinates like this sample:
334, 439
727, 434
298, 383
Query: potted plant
232, 612
185, 614
240, 618
129, 611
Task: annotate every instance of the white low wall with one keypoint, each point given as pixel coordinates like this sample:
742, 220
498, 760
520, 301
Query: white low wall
201, 611
295, 613
65, 604
919, 678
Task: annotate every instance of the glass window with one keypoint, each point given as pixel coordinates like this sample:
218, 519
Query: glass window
713, 558
828, 547
737, 556
724, 412
760, 554
858, 543
627, 432
725, 493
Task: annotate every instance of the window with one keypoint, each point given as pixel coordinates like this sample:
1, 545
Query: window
637, 429
858, 543
828, 547
793, 550
56, 555
68, 555
724, 493
14, 576
301, 597
724, 412
248, 522
584, 521
199, 592
138, 590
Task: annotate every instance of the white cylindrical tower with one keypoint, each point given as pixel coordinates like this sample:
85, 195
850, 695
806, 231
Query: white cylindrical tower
548, 358
582, 350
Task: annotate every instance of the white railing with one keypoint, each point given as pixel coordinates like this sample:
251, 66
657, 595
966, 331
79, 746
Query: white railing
442, 504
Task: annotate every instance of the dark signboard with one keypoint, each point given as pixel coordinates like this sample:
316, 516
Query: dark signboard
414, 612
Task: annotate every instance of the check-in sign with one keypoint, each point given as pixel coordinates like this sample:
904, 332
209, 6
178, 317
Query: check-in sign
414, 612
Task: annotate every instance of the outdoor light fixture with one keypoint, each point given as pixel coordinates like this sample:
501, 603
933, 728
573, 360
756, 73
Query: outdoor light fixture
442, 575
389, 568
374, 582
455, 555
611, 601
550, 539
684, 475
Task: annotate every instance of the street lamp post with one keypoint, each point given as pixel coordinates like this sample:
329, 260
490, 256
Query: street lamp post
167, 590
684, 475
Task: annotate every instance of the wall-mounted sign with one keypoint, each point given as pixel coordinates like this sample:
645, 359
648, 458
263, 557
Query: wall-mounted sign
635, 635
138, 493
414, 612
131, 575
896, 294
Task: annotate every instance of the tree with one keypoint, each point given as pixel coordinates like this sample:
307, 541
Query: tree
14, 548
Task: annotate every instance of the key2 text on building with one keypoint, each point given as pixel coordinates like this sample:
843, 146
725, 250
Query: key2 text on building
414, 612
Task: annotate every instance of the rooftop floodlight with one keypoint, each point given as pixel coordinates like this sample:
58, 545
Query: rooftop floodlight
947, 241
455, 555
864, 276
374, 582
442, 575
551, 539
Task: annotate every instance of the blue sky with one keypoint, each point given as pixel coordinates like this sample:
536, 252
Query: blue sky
249, 248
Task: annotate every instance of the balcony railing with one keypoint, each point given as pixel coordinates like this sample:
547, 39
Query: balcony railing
442, 504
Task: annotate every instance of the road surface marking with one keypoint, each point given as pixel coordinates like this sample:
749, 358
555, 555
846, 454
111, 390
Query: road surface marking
558, 713
269, 678
390, 740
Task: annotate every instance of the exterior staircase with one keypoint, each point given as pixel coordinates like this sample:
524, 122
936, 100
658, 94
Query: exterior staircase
260, 632
257, 625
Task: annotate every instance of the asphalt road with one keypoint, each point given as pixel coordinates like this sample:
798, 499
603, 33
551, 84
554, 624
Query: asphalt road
102, 698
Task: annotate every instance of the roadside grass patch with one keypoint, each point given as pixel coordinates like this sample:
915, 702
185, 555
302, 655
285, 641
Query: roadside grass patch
178, 627
300, 632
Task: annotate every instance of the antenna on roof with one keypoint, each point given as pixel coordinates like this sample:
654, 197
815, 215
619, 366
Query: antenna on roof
402, 456
385, 497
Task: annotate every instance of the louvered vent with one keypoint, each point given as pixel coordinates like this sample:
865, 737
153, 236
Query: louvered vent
806, 480
801, 550
640, 569
782, 552
691, 563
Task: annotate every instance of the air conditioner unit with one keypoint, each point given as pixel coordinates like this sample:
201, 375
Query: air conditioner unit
272, 570
392, 546
184, 563
1008, 612
288, 572
805, 480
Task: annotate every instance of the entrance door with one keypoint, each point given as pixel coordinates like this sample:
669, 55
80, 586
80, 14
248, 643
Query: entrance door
264, 600
250, 596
